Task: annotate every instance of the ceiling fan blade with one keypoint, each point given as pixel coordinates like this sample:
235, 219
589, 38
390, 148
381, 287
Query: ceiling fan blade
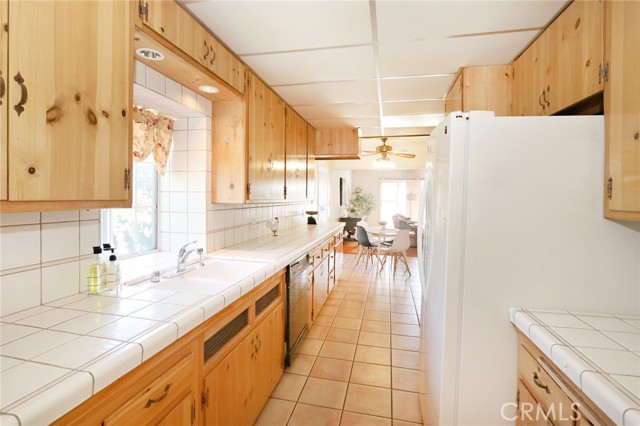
402, 154
368, 153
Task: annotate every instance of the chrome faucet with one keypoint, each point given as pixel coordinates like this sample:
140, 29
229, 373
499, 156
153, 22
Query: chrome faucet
184, 254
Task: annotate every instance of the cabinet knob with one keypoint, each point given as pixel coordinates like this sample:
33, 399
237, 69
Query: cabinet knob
31, 170
636, 136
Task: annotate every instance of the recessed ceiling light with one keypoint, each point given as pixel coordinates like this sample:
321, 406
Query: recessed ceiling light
150, 54
208, 89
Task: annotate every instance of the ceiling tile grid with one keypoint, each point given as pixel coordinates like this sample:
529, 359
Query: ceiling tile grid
381, 65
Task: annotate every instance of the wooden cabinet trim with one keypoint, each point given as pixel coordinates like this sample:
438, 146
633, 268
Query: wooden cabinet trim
561, 381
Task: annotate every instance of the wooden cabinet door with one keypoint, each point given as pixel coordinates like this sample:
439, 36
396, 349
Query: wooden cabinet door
311, 163
453, 101
528, 412
221, 387
4, 81
269, 365
487, 88
205, 48
528, 80
296, 152
163, 17
266, 168
71, 94
228, 180
320, 288
184, 412
575, 54
622, 111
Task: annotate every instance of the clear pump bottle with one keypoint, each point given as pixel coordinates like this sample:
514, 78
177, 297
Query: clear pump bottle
95, 271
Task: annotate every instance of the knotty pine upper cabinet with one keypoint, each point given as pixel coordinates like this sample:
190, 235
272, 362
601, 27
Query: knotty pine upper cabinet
453, 100
174, 24
229, 157
266, 149
337, 144
68, 100
484, 88
563, 66
311, 163
296, 154
622, 111
4, 69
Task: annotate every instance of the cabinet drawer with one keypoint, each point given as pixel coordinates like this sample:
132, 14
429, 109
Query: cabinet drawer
544, 389
159, 396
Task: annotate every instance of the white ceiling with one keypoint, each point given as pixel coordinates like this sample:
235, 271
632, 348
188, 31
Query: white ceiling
380, 65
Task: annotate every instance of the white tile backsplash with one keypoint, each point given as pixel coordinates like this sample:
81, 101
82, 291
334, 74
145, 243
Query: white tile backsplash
24, 237
178, 202
8, 219
197, 182
19, 291
179, 222
189, 98
60, 240
60, 216
179, 181
178, 161
155, 81
60, 281
197, 139
89, 236
173, 90
180, 140
198, 161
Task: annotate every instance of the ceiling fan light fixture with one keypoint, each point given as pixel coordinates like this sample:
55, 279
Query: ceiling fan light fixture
383, 162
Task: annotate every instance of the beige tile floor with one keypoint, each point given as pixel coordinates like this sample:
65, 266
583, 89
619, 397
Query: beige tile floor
358, 364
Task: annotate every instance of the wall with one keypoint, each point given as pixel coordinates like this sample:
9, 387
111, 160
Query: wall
335, 210
369, 180
45, 256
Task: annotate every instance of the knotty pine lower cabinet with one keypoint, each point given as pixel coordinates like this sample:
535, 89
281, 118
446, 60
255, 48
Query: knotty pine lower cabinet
237, 389
162, 391
546, 397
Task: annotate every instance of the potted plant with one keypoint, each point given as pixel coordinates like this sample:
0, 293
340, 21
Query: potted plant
361, 204
383, 224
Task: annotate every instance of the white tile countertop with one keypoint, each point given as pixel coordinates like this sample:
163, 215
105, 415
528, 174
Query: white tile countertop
599, 353
55, 356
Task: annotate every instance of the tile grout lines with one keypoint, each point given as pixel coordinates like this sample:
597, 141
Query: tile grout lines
361, 295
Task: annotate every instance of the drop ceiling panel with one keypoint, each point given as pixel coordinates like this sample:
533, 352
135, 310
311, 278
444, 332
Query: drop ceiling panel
418, 120
369, 110
352, 63
435, 19
445, 56
276, 26
329, 93
344, 122
416, 88
412, 107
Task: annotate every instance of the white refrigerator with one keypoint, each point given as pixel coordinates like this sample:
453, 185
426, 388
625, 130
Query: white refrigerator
511, 215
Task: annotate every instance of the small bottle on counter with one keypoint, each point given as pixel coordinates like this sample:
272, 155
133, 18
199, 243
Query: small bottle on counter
95, 271
112, 273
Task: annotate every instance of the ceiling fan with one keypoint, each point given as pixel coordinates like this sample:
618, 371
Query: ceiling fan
385, 150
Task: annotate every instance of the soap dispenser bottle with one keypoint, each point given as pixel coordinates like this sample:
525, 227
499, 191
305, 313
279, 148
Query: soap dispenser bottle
112, 273
95, 271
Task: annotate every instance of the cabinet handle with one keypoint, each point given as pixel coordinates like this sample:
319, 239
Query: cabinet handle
259, 343
544, 96
539, 384
540, 101
150, 402
2, 87
23, 95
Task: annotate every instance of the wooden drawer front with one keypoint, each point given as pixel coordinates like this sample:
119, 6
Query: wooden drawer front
161, 395
544, 389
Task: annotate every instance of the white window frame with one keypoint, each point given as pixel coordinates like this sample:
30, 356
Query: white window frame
106, 228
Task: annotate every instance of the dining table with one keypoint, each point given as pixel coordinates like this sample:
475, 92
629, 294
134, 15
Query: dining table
383, 234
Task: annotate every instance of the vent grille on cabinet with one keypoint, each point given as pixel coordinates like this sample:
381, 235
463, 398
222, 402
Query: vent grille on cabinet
265, 301
216, 342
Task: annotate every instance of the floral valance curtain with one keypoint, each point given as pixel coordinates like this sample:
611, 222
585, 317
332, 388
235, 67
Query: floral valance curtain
152, 133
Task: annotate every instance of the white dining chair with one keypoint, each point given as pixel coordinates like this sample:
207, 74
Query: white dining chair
397, 250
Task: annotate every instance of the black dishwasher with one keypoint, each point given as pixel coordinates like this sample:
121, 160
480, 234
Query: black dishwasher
297, 303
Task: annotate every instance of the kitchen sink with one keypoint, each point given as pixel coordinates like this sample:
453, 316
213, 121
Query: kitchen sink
214, 277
